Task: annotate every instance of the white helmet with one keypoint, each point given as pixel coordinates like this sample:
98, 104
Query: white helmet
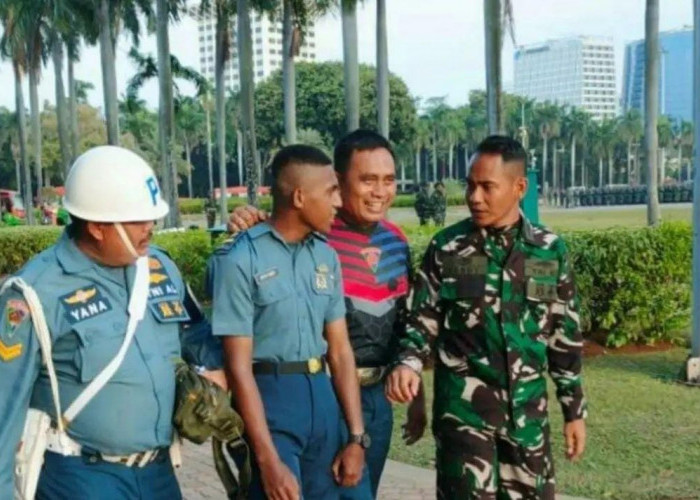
113, 184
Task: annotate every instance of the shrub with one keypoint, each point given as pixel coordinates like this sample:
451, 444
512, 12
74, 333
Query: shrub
634, 284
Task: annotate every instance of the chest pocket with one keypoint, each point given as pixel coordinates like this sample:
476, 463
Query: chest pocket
540, 293
270, 292
99, 342
462, 298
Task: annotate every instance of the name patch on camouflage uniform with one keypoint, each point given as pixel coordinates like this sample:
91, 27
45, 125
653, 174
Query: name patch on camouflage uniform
455, 266
169, 310
540, 268
84, 303
542, 291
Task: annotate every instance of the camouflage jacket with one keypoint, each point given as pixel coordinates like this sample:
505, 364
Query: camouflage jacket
438, 202
423, 206
503, 314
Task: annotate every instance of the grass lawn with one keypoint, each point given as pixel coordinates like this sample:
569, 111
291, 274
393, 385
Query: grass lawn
561, 219
643, 432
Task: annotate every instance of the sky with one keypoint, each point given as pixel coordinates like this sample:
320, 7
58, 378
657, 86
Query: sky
437, 47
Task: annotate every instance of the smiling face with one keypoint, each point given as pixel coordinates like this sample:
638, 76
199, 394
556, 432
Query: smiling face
494, 190
368, 187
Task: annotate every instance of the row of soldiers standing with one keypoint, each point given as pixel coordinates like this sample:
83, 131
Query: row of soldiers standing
431, 205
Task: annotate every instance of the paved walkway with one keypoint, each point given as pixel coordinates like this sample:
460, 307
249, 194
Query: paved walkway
198, 479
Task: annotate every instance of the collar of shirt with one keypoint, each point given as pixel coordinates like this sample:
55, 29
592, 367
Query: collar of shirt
265, 228
343, 222
529, 233
75, 261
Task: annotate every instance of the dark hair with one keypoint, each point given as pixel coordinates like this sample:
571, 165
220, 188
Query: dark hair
359, 140
508, 149
296, 154
77, 228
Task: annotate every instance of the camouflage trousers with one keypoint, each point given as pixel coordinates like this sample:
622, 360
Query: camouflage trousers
481, 454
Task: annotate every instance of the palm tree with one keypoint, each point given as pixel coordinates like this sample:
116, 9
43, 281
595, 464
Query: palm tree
296, 16
250, 146
549, 126
382, 70
665, 133
189, 119
13, 46
498, 16
630, 130
651, 108
607, 131
350, 64
35, 59
576, 122
57, 56
109, 15
148, 68
166, 122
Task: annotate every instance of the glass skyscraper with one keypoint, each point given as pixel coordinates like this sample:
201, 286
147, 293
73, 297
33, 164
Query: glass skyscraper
675, 74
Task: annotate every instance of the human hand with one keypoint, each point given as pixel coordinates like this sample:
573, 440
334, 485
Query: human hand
575, 439
402, 385
243, 218
348, 465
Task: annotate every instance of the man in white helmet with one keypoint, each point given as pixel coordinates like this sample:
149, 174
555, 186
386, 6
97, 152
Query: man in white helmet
113, 306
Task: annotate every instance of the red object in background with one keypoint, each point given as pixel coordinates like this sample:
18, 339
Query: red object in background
15, 201
240, 191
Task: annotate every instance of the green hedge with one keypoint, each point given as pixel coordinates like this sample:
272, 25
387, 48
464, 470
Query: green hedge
635, 284
193, 206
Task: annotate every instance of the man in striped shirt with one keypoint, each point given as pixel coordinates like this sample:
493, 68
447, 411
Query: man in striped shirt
375, 262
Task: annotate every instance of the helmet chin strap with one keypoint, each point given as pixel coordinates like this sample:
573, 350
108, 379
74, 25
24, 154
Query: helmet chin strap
125, 239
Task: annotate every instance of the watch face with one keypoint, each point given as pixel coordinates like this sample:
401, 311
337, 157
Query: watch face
366, 441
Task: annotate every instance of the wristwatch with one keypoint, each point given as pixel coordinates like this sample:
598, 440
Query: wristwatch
362, 439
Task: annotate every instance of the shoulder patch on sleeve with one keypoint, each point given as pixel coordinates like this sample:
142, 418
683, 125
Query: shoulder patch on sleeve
15, 314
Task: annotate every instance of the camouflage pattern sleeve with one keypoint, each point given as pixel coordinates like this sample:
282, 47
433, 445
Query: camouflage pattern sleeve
566, 343
424, 312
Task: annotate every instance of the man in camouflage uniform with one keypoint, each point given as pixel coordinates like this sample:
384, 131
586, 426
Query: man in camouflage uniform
438, 203
423, 206
495, 300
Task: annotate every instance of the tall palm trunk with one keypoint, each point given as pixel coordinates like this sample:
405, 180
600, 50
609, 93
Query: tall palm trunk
239, 155
109, 72
450, 159
222, 38
435, 160
210, 159
600, 171
289, 47
351, 66
573, 161
36, 127
245, 55
24, 156
662, 165
166, 113
555, 175
629, 161
417, 166
188, 156
545, 141
73, 108
611, 169
61, 111
651, 109
382, 70
492, 31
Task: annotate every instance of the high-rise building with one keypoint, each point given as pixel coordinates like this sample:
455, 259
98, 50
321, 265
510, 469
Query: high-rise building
675, 75
577, 71
267, 48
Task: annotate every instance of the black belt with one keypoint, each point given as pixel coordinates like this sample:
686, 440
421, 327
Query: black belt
309, 367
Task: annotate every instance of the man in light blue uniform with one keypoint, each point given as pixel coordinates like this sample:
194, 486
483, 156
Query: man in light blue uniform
84, 283
278, 303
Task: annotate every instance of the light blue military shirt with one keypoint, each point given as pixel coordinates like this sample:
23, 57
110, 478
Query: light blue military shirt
85, 305
280, 294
